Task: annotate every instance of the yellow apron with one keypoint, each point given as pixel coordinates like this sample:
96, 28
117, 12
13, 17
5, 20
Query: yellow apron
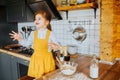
41, 61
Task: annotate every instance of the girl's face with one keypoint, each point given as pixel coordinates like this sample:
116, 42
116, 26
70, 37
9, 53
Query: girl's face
40, 21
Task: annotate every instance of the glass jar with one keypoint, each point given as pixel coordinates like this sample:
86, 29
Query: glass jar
65, 2
94, 68
73, 2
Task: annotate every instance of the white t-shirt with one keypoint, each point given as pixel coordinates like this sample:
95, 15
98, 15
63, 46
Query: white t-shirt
41, 34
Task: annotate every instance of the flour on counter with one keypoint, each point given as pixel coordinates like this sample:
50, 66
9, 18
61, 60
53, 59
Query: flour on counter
76, 76
68, 71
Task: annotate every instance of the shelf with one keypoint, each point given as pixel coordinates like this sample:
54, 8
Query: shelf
76, 7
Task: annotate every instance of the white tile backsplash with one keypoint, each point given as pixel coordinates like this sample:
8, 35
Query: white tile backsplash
63, 30
20, 25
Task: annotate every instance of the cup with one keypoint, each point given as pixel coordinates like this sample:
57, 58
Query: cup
67, 58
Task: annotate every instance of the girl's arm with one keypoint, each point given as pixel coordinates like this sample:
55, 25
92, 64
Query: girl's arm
29, 41
24, 42
53, 42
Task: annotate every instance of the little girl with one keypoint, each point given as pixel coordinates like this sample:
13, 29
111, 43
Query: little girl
42, 60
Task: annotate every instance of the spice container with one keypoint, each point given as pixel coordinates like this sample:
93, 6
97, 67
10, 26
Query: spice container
65, 2
72, 2
81, 1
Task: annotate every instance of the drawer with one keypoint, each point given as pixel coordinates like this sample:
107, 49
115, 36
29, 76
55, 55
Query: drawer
22, 61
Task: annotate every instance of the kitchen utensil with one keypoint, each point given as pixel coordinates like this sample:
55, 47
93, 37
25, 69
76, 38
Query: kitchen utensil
72, 49
79, 34
26, 50
27, 30
60, 63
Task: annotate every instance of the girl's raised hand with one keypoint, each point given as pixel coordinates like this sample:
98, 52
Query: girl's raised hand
15, 36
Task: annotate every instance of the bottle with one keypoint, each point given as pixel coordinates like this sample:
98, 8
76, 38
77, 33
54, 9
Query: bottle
94, 68
61, 57
66, 56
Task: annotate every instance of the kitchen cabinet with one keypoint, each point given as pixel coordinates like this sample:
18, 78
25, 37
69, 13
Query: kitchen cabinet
18, 11
19, 67
22, 67
5, 29
2, 14
8, 2
11, 67
14, 69
5, 68
2, 2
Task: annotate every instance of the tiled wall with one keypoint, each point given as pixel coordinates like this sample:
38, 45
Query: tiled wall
84, 18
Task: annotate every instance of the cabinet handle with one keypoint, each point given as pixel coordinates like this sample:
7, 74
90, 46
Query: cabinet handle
25, 61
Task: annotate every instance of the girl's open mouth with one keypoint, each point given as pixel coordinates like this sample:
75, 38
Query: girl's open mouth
37, 23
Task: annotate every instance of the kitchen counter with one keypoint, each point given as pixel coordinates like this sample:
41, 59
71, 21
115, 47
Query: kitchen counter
22, 56
106, 71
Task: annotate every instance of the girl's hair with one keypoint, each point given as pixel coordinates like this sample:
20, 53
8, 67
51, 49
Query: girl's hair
47, 15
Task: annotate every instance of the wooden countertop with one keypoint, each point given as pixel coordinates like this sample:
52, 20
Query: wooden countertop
22, 56
106, 71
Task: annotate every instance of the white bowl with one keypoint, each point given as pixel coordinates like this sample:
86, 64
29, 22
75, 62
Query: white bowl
72, 49
68, 68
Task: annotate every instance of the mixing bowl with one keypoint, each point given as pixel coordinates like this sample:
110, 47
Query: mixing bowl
68, 68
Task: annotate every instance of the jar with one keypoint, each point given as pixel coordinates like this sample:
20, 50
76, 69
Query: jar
64, 2
73, 2
81, 1
94, 68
